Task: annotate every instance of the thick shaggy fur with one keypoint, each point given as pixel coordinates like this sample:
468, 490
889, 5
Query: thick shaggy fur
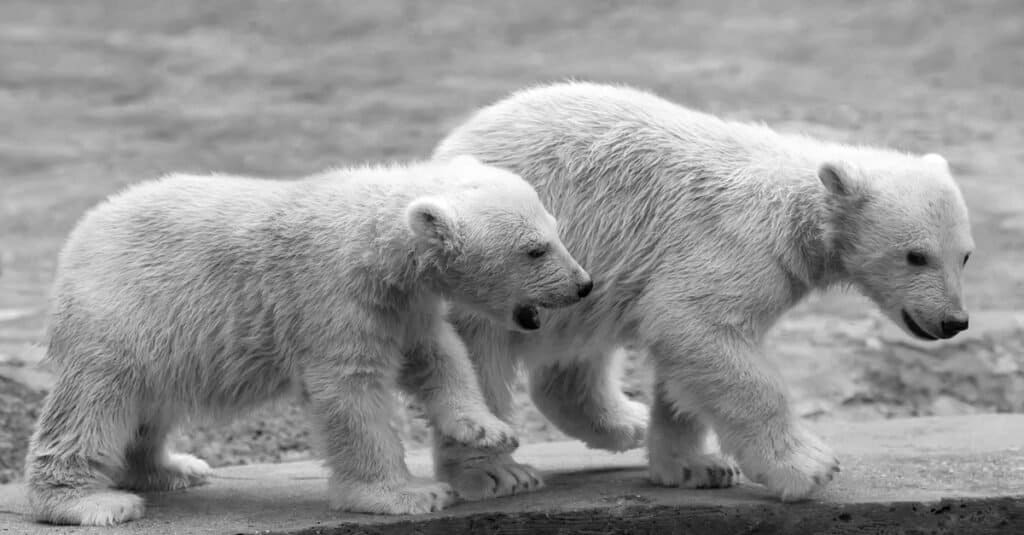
700, 233
197, 296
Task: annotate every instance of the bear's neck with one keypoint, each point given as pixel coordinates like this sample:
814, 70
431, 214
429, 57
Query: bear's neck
816, 262
399, 259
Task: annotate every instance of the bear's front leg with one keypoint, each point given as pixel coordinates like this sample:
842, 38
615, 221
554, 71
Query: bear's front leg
481, 472
584, 399
734, 388
363, 450
437, 372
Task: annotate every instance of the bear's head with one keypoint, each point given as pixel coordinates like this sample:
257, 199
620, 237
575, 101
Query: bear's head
493, 247
900, 229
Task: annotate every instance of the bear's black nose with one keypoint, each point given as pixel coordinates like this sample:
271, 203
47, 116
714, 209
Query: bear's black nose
585, 288
953, 324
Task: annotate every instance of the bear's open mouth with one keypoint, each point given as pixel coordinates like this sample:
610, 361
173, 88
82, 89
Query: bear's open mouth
915, 328
527, 317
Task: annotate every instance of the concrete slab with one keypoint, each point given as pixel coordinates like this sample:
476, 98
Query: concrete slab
929, 475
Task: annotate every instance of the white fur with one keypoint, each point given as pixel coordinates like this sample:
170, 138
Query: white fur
197, 296
699, 234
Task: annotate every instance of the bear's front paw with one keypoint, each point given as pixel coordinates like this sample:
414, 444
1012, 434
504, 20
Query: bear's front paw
415, 497
481, 431
695, 471
804, 466
490, 477
623, 429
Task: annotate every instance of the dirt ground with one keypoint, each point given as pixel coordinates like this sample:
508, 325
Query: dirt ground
97, 94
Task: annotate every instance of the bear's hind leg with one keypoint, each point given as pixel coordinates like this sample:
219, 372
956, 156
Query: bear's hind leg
584, 398
680, 452
363, 450
150, 465
77, 451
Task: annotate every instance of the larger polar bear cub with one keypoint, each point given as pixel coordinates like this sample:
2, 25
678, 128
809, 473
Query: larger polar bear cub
700, 233
191, 296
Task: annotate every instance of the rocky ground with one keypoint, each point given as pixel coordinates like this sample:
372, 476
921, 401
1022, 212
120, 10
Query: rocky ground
96, 94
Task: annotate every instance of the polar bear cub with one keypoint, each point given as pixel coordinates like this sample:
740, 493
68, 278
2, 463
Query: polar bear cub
700, 233
195, 296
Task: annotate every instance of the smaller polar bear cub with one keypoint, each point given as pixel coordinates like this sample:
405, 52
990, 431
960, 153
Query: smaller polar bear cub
197, 296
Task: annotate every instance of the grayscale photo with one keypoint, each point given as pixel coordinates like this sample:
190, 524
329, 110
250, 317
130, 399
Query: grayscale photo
335, 267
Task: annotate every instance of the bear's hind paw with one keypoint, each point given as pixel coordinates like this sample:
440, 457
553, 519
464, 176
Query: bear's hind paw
97, 509
177, 471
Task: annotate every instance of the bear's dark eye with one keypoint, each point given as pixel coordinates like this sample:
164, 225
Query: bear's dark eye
966, 258
537, 252
917, 258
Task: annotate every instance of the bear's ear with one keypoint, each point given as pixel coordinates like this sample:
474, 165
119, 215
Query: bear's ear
836, 179
434, 220
936, 159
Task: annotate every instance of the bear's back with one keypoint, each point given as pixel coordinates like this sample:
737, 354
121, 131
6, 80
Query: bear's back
169, 238
173, 208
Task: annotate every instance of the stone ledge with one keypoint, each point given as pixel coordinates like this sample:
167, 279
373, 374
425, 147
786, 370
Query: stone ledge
926, 475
